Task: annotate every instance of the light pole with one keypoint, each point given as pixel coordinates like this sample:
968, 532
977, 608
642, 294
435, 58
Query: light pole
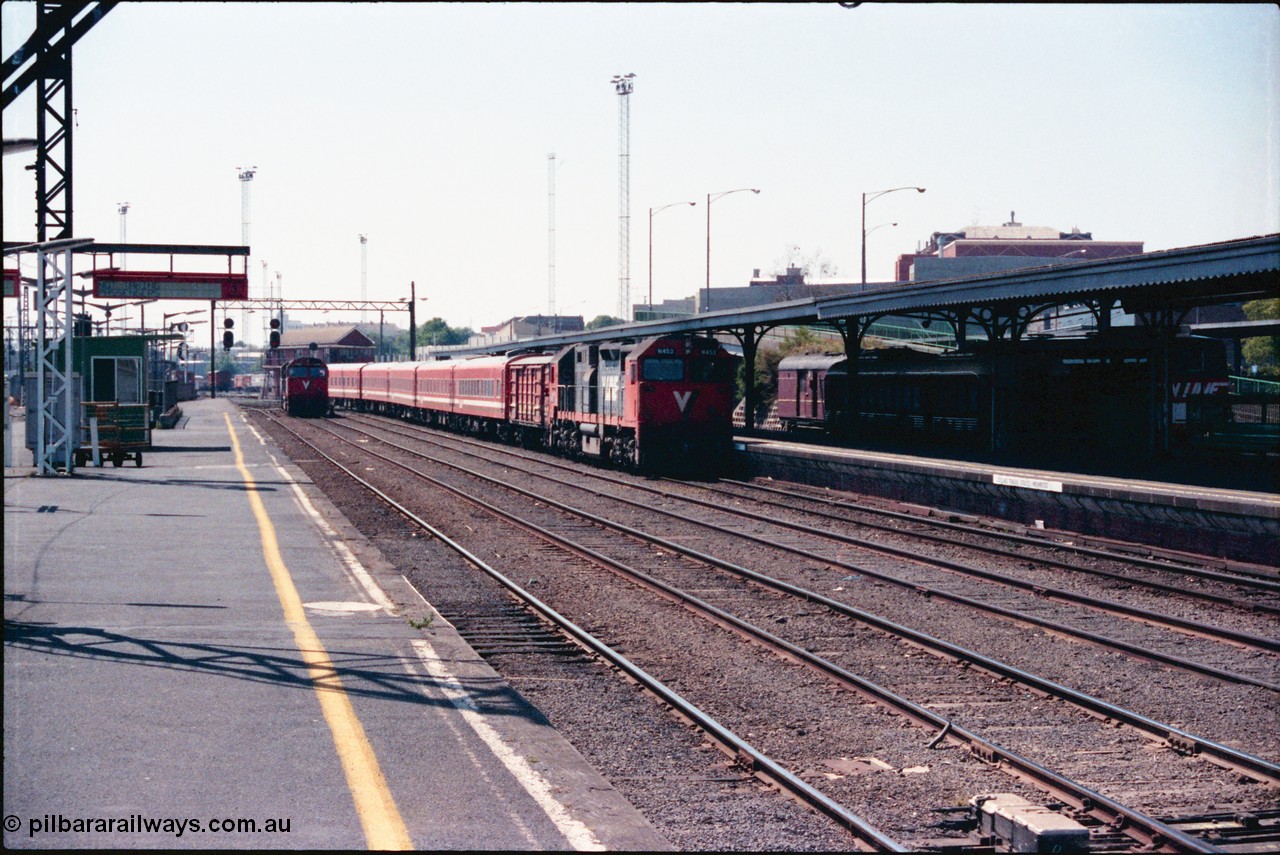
168, 315
123, 208
653, 211
181, 327
711, 197
413, 320
870, 197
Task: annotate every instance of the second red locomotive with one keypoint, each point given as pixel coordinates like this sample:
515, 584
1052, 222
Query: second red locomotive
662, 402
305, 386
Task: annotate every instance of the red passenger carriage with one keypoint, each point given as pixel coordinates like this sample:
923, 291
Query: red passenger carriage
653, 403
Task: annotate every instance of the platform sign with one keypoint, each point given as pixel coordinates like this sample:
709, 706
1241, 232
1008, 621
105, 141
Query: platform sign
161, 285
12, 282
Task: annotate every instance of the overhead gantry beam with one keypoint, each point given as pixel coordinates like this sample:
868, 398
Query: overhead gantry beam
45, 60
57, 29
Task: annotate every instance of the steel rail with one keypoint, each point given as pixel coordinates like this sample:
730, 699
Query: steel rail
1174, 737
1248, 640
1096, 638
1171, 564
1016, 538
758, 763
1094, 602
1148, 830
1244, 580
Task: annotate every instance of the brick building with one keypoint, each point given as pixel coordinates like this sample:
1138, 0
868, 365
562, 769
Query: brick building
979, 250
339, 343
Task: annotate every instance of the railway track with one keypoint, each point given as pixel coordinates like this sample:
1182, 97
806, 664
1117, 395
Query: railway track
834, 641
1258, 587
1214, 664
1213, 669
1250, 588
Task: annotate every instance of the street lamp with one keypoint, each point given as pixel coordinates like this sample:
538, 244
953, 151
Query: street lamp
869, 197
711, 197
653, 211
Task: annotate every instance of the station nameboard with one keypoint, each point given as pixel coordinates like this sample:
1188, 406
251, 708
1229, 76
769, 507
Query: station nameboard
160, 285
12, 282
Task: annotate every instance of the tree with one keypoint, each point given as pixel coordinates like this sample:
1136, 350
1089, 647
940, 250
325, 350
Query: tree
437, 332
812, 265
1263, 351
798, 340
227, 363
604, 321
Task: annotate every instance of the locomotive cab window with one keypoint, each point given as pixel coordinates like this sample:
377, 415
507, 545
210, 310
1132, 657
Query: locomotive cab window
297, 371
706, 370
669, 370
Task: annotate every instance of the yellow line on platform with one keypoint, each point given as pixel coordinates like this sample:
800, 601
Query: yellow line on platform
383, 826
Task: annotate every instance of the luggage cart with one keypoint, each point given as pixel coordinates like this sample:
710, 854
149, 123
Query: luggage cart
124, 432
135, 434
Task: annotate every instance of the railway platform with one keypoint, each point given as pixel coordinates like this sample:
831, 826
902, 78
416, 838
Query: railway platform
201, 653
1235, 525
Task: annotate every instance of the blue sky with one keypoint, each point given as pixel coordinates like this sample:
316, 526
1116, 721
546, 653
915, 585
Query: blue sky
427, 127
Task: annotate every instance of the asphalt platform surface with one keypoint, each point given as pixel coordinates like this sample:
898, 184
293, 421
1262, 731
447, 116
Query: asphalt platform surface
201, 653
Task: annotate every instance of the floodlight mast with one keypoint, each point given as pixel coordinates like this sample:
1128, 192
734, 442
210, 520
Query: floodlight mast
123, 208
245, 176
551, 234
623, 86
364, 275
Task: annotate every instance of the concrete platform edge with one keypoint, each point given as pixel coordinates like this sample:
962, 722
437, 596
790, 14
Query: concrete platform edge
1239, 526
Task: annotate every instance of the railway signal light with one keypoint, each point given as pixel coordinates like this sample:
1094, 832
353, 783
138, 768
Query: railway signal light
228, 339
275, 333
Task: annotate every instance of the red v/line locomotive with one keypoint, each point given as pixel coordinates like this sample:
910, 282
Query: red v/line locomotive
305, 387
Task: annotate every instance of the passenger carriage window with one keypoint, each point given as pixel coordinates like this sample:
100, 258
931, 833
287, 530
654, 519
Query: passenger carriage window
669, 370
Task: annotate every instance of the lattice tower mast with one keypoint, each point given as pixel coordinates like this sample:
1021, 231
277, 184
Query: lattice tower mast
266, 295
551, 234
245, 176
623, 85
364, 276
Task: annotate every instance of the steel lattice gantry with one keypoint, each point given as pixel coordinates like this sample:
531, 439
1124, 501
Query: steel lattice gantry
57, 402
45, 61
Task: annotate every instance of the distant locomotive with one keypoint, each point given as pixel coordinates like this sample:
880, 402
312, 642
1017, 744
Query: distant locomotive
659, 403
305, 387
1093, 393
